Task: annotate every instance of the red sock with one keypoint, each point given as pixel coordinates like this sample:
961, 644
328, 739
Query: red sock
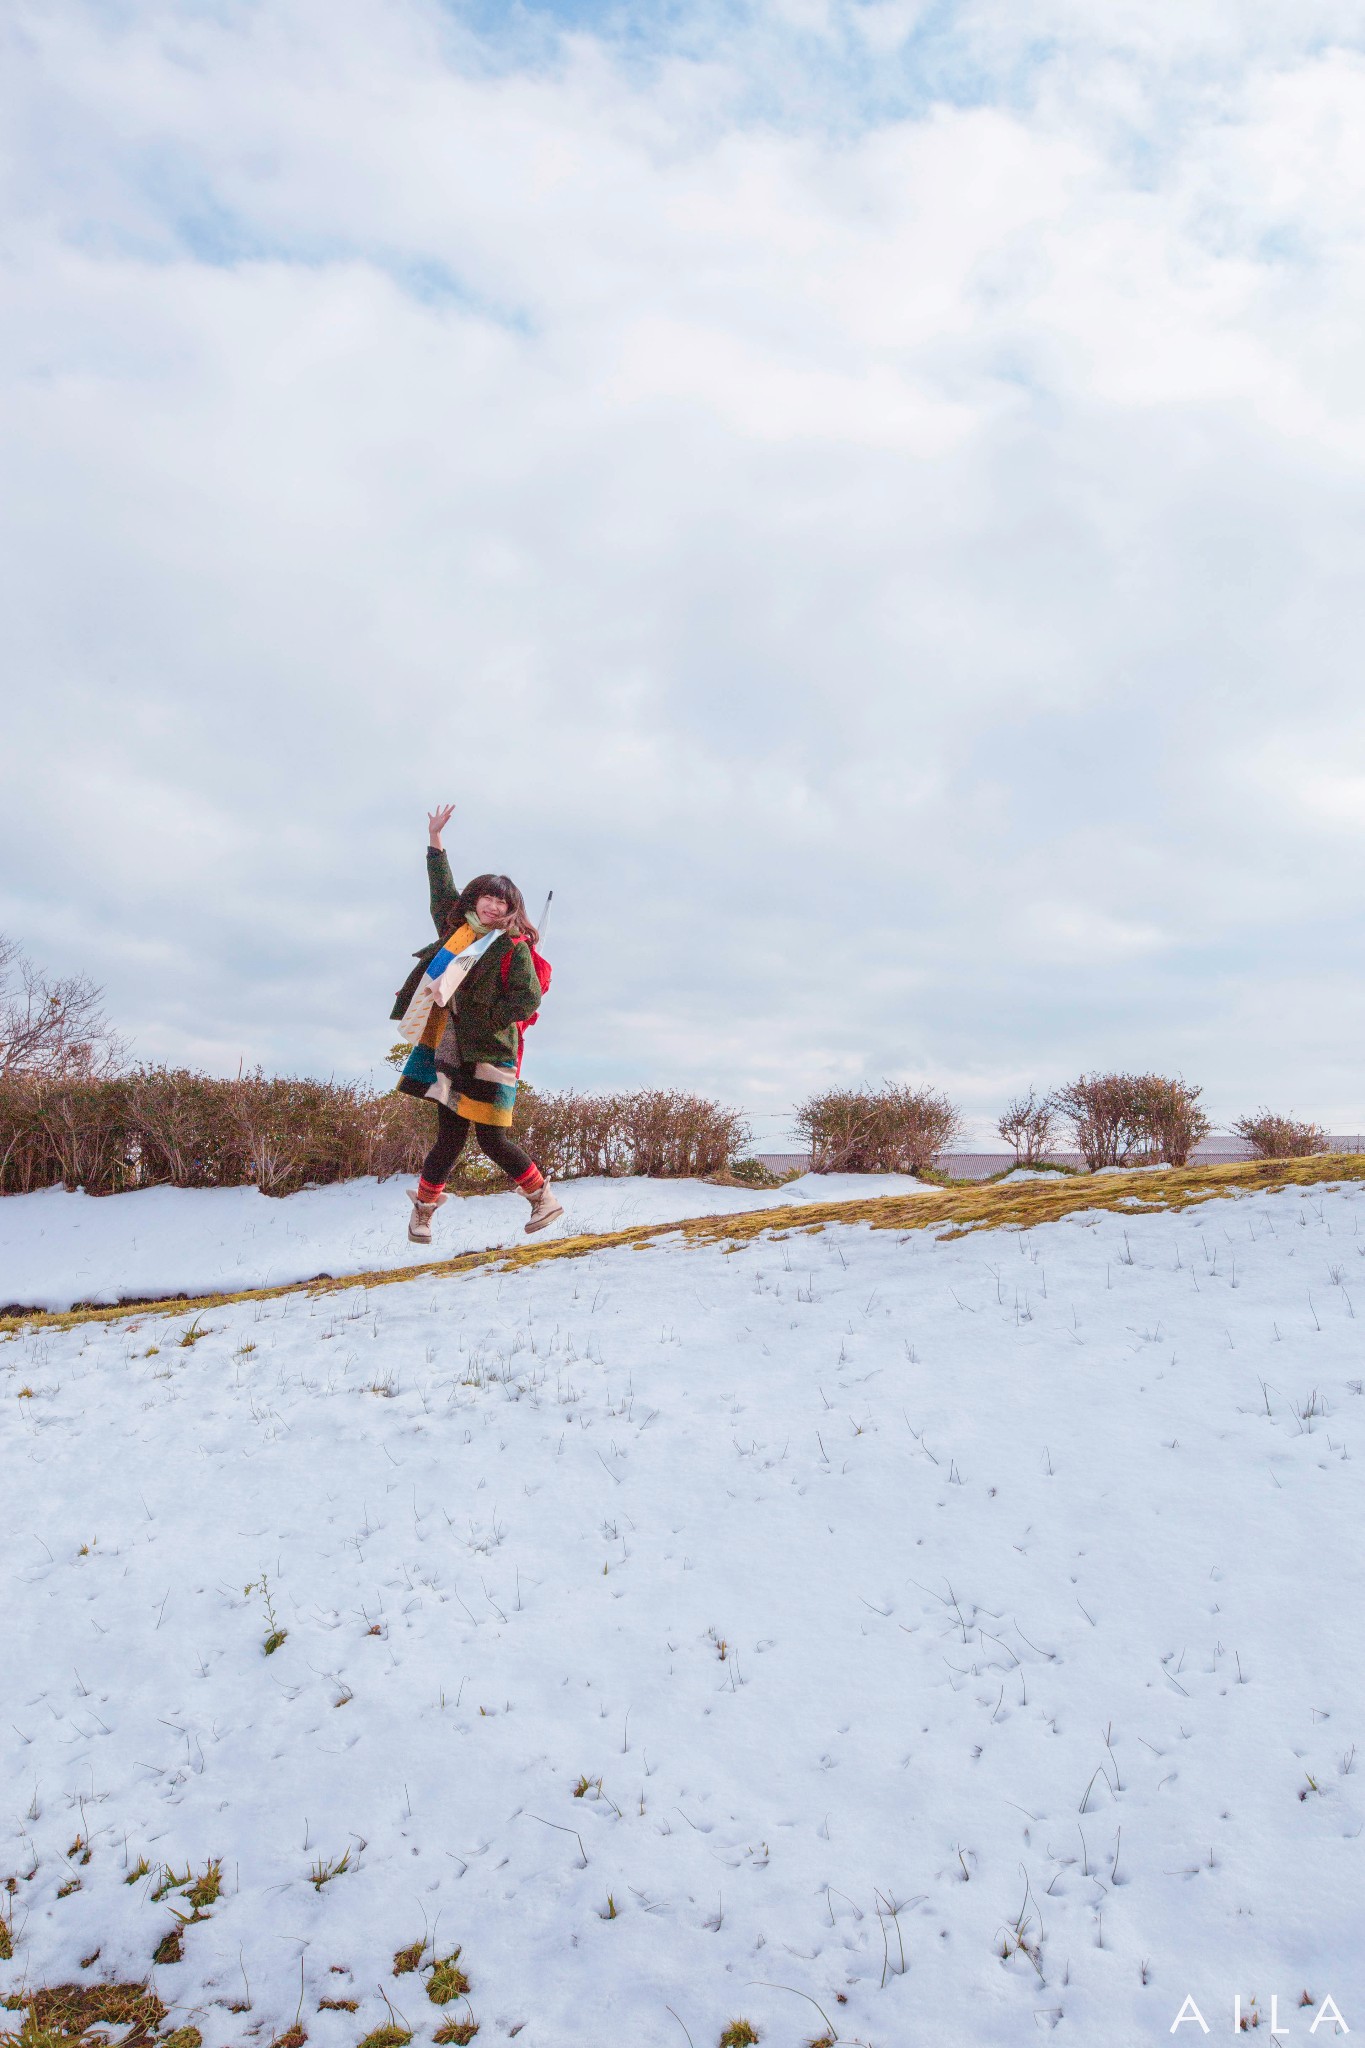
532, 1181
429, 1191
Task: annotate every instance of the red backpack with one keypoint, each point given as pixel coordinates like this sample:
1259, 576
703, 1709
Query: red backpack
543, 973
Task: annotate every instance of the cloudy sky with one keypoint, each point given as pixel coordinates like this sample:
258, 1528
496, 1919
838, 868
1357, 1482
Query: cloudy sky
865, 501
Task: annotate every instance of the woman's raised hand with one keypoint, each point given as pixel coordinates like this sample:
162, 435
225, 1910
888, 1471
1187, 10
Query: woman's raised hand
437, 821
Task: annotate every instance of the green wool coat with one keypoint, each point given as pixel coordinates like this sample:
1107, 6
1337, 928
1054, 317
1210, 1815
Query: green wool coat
487, 1013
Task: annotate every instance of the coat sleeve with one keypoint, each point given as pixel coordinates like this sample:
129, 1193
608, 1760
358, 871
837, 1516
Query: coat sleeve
521, 998
444, 894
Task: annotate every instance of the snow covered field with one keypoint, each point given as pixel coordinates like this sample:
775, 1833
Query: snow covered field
960, 1638
58, 1248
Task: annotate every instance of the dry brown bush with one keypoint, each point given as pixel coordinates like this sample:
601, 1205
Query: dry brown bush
570, 1135
1172, 1121
159, 1125
890, 1129
675, 1136
656, 1131
1280, 1137
1132, 1119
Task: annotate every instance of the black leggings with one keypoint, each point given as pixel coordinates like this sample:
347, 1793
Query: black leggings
451, 1132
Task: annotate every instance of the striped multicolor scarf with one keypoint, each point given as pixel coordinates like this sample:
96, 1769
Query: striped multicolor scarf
447, 968
483, 1094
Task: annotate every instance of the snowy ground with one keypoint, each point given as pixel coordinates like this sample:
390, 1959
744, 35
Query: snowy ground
961, 1636
58, 1248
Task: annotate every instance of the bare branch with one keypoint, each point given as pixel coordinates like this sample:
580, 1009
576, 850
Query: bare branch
51, 1027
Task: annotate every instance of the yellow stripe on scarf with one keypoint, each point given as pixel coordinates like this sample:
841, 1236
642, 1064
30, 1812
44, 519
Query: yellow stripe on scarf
462, 936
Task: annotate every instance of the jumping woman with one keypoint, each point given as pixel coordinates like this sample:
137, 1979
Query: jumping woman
463, 1010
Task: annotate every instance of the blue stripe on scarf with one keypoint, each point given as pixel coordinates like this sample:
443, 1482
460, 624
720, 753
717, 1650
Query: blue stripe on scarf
439, 961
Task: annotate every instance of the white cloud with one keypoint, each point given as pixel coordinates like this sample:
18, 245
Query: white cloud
851, 512
1075, 932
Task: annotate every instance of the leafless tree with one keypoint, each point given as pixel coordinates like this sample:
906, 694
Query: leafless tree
51, 1027
1030, 1125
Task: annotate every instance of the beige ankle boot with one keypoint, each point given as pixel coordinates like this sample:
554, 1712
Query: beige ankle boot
419, 1223
544, 1206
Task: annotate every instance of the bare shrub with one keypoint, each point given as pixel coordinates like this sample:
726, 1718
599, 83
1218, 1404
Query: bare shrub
891, 1129
1280, 1137
1030, 1126
656, 1131
677, 1136
1172, 1121
571, 1135
25, 1151
396, 1135
1102, 1112
52, 1026
181, 1129
1132, 1119
63, 1130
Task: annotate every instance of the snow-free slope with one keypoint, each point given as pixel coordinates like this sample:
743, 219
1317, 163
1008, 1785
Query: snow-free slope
962, 1634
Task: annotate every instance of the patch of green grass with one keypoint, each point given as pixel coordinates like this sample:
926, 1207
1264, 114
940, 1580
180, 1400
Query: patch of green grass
408, 1959
750, 1173
141, 1869
63, 2015
170, 1948
326, 1868
460, 2032
203, 1893
447, 1979
739, 2034
170, 1882
391, 2036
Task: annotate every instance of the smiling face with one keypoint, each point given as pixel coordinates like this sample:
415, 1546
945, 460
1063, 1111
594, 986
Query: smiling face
492, 909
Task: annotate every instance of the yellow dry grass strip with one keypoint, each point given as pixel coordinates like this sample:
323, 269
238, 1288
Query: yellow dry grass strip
1021, 1205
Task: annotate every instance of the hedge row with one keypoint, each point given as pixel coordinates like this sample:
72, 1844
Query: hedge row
160, 1125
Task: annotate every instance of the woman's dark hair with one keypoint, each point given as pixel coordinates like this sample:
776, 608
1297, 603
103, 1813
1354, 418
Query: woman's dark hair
518, 923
